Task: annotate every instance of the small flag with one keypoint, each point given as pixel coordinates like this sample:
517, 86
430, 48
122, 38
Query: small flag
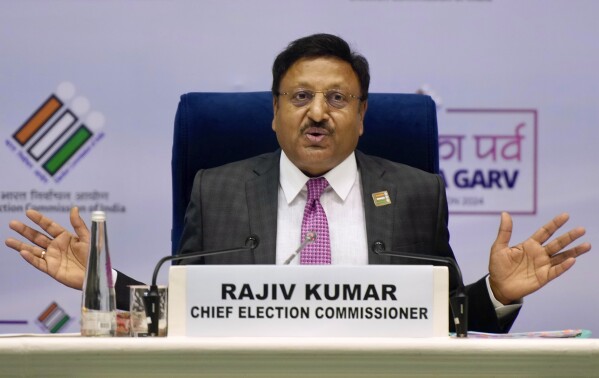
381, 198
53, 318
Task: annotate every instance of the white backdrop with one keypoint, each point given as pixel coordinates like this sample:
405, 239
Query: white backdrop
132, 59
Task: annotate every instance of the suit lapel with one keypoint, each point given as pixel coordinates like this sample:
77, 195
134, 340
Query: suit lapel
379, 219
261, 196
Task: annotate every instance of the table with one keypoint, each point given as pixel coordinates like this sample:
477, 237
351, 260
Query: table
296, 357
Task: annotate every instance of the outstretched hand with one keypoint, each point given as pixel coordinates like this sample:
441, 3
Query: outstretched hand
57, 252
517, 271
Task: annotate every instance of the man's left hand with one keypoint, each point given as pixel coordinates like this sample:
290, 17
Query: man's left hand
517, 271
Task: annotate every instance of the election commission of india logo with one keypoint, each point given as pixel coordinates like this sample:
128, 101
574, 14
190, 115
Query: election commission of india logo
488, 158
53, 318
57, 134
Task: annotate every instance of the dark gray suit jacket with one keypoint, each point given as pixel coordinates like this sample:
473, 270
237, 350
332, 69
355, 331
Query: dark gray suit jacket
233, 201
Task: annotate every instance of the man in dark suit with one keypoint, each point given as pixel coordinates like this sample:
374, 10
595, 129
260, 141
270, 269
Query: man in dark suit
320, 97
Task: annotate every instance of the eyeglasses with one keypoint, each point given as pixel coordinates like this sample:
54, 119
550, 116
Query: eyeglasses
334, 97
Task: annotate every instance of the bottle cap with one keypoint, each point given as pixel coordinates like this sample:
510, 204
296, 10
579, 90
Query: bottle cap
98, 216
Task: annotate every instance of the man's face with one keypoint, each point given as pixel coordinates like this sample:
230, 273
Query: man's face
318, 136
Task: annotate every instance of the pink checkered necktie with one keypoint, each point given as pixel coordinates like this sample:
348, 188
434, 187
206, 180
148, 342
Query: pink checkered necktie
315, 219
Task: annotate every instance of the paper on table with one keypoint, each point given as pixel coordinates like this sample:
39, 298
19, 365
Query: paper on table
566, 333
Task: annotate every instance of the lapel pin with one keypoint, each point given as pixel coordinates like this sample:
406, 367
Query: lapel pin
381, 198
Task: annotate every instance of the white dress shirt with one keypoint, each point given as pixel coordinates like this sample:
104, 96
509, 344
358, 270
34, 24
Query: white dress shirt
341, 201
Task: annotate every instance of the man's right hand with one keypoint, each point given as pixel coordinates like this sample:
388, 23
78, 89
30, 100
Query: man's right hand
57, 252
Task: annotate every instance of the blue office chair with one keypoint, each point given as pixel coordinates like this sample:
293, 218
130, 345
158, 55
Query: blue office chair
212, 129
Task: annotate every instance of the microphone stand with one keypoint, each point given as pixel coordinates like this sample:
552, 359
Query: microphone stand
152, 297
310, 238
458, 302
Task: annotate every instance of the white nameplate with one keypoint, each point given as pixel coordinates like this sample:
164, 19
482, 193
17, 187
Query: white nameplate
311, 301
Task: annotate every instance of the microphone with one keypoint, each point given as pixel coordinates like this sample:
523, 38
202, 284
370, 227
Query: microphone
310, 237
152, 297
458, 303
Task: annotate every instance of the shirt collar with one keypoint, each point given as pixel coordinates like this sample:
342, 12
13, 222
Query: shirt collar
341, 178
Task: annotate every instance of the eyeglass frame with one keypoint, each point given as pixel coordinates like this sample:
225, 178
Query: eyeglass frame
324, 94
